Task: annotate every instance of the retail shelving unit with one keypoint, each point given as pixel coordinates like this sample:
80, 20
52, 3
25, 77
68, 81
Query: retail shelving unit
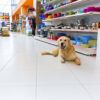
75, 30
74, 5
52, 2
21, 8
6, 18
83, 15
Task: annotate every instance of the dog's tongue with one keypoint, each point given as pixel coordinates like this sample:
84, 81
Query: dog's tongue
62, 47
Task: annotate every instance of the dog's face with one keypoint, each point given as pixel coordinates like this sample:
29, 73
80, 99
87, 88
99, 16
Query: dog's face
63, 42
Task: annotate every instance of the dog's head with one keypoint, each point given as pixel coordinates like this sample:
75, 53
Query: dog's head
64, 42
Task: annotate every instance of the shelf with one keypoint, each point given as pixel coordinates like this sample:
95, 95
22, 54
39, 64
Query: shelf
75, 30
52, 2
73, 5
73, 16
46, 40
79, 49
49, 20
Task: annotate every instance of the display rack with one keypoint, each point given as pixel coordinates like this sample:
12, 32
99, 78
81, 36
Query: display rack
6, 18
73, 5
75, 30
93, 14
70, 6
52, 2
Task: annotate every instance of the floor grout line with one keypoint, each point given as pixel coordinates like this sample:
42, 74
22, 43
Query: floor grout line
83, 86
4, 66
36, 75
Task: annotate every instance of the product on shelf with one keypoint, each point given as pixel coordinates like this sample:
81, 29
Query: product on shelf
41, 16
85, 41
81, 24
71, 12
49, 7
71, 1
55, 6
56, 15
92, 9
78, 25
43, 30
47, 16
92, 43
5, 31
42, 25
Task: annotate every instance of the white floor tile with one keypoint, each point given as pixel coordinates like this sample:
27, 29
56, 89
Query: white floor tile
88, 72
65, 92
94, 90
17, 68
51, 71
17, 78
27, 75
17, 93
19, 71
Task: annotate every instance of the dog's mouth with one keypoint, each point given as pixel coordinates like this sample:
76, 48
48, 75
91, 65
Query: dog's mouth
63, 46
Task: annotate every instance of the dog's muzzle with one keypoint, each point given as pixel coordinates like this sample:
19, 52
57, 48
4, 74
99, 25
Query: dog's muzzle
62, 45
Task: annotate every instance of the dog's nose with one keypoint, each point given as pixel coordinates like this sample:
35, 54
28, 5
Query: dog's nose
62, 44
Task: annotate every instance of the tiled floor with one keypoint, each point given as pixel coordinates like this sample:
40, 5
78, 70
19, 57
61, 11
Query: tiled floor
26, 75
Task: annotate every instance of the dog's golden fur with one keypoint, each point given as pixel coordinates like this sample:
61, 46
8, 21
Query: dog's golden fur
65, 50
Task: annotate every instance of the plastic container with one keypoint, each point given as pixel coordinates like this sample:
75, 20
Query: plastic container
61, 34
85, 39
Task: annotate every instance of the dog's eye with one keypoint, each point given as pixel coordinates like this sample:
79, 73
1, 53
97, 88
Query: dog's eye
65, 40
60, 39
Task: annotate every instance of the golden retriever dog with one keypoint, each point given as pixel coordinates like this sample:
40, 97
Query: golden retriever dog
65, 51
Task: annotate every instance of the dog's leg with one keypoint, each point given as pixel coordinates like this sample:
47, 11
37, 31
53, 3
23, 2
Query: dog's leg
46, 53
77, 61
62, 59
54, 53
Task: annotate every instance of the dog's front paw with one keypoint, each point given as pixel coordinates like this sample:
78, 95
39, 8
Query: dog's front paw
55, 55
62, 61
43, 53
77, 61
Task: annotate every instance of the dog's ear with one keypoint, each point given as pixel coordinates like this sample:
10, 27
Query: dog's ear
69, 41
58, 40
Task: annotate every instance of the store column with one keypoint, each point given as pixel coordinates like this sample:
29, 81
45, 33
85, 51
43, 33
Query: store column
98, 48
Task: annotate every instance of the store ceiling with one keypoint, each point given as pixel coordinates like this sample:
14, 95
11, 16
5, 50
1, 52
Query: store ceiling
5, 5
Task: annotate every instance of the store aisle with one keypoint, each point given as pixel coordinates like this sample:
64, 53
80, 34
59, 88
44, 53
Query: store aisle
26, 75
17, 68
